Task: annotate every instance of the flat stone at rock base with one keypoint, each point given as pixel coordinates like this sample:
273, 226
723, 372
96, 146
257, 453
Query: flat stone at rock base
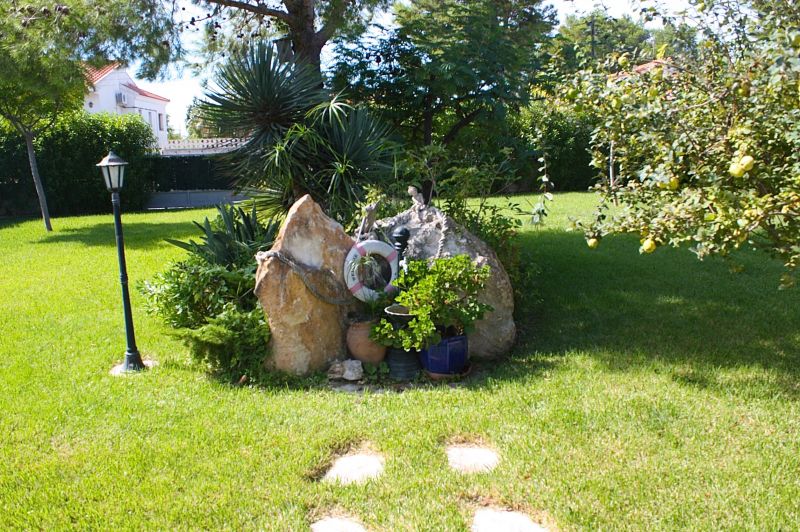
337, 524
500, 520
119, 369
471, 458
353, 371
355, 468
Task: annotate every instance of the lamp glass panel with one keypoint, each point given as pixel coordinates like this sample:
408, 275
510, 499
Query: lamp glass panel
117, 175
106, 176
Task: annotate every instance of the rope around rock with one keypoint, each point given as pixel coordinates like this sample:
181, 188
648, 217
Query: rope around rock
301, 271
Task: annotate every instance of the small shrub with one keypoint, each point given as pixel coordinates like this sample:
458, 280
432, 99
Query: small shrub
442, 296
232, 343
191, 292
210, 295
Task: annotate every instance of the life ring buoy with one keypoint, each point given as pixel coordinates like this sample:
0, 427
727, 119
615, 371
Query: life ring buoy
362, 249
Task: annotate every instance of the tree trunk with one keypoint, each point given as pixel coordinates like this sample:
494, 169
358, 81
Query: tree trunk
307, 44
37, 180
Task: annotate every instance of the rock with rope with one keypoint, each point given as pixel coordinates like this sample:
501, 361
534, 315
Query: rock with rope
300, 285
434, 234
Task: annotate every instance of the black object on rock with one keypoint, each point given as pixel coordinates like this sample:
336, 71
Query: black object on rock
400, 237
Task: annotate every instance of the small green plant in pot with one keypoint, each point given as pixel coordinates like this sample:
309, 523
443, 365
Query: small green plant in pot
442, 297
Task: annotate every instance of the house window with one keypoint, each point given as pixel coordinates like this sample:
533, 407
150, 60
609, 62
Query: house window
160, 122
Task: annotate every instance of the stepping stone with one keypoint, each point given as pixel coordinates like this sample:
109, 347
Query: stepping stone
495, 520
355, 468
471, 458
337, 524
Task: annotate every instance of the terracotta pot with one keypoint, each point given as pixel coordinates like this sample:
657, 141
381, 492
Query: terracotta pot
361, 347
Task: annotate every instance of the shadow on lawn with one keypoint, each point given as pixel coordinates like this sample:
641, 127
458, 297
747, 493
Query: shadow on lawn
138, 235
630, 311
7, 223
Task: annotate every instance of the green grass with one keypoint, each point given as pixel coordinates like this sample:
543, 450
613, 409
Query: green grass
652, 392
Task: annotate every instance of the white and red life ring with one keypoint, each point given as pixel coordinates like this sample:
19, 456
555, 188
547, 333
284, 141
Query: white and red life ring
362, 249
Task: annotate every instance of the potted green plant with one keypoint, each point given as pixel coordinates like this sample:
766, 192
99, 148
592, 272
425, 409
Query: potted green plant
441, 297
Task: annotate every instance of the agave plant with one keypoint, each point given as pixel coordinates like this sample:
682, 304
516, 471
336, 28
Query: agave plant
234, 241
300, 140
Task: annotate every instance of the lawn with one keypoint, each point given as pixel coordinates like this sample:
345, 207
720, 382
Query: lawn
648, 392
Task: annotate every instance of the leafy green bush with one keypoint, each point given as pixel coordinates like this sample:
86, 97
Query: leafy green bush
210, 295
498, 226
67, 154
442, 296
192, 291
563, 136
232, 343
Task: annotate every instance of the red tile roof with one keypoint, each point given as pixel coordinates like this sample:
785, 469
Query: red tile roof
145, 93
647, 67
93, 75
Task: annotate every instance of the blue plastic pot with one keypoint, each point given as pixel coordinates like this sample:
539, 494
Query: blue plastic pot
448, 357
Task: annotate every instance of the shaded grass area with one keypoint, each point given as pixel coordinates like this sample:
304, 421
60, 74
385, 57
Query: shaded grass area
651, 392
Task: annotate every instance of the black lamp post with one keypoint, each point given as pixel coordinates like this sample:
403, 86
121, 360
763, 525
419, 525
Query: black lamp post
113, 168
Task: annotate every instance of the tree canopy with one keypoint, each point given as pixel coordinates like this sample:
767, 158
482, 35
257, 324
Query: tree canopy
44, 50
705, 152
448, 64
303, 27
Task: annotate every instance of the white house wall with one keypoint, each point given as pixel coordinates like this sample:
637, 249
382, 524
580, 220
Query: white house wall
104, 100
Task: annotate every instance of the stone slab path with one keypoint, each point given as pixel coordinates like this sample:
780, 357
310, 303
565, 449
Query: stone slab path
337, 524
364, 464
471, 458
497, 520
355, 468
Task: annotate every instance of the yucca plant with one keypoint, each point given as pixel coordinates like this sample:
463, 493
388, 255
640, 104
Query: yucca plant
300, 140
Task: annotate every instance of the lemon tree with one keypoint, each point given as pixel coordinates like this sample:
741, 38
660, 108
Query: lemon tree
703, 151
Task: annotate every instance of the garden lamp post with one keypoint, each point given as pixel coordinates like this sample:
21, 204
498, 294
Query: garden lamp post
113, 168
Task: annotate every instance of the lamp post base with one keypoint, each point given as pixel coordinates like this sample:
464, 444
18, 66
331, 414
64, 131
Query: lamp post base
133, 363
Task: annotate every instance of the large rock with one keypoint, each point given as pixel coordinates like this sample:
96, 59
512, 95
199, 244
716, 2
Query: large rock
495, 333
307, 331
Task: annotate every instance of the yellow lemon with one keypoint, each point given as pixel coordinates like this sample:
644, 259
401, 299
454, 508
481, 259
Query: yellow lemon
736, 170
649, 245
593, 243
747, 163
